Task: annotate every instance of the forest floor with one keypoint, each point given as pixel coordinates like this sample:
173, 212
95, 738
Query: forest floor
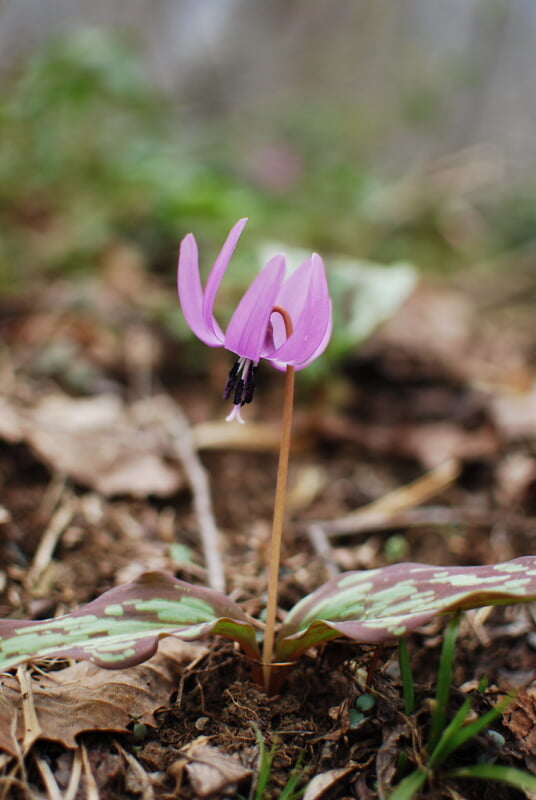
441, 401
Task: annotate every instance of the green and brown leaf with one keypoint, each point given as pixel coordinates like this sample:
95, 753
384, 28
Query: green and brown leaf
122, 627
382, 604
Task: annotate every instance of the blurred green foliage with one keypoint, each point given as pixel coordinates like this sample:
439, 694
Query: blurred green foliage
91, 154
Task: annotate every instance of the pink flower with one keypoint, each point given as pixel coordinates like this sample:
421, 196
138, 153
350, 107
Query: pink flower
257, 327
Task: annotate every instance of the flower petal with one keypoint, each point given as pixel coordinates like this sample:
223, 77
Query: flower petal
246, 332
292, 297
321, 347
215, 276
282, 365
312, 328
191, 293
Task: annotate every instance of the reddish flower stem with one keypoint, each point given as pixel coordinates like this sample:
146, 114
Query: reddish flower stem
279, 515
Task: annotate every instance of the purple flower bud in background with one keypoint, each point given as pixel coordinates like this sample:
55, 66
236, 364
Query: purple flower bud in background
257, 328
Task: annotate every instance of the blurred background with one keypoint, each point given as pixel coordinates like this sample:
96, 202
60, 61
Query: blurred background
362, 127
384, 132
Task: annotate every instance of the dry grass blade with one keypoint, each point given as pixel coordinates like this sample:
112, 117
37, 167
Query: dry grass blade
55, 528
379, 513
32, 728
323, 549
47, 776
92, 790
76, 776
141, 776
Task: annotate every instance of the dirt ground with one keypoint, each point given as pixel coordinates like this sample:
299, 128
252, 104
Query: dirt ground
442, 401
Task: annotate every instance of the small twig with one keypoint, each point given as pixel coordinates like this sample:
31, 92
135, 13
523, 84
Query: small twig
412, 518
92, 790
32, 728
398, 507
76, 775
322, 548
147, 791
50, 539
184, 447
47, 776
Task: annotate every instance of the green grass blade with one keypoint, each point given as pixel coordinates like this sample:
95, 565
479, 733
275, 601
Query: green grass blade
473, 728
407, 677
439, 714
495, 772
447, 741
290, 790
408, 787
265, 765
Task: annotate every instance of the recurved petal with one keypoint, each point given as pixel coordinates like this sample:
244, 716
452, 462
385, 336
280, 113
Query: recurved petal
307, 300
292, 297
215, 276
322, 345
246, 333
191, 293
282, 365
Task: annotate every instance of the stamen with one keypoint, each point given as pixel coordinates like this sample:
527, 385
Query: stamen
239, 393
249, 389
231, 380
240, 384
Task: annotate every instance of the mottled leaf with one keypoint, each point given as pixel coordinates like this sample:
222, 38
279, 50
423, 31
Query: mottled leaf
122, 627
382, 604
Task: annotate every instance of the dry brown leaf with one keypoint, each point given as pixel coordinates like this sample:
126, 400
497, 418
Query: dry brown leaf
85, 698
520, 718
8, 725
430, 443
515, 414
326, 780
433, 443
516, 479
210, 771
436, 322
10, 426
386, 760
100, 442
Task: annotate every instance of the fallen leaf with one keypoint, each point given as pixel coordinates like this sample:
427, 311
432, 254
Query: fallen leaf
387, 758
8, 724
10, 426
83, 697
212, 772
515, 414
437, 323
99, 442
326, 780
430, 443
520, 718
516, 481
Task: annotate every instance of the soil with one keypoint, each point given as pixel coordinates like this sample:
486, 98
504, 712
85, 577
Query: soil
396, 410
